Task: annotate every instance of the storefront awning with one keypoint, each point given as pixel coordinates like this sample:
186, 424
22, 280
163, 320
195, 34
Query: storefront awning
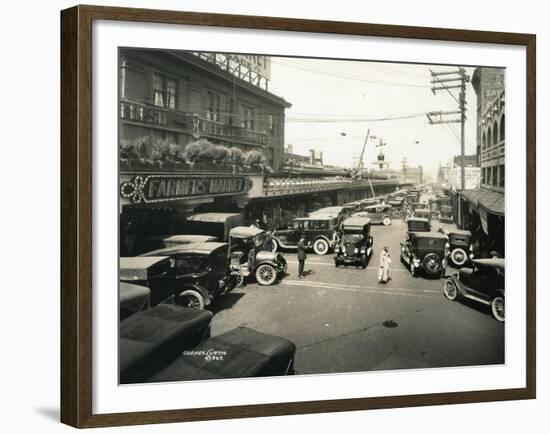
491, 201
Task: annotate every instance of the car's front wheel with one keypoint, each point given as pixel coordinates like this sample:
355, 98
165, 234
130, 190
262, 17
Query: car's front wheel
191, 298
497, 308
266, 274
320, 247
450, 290
386, 221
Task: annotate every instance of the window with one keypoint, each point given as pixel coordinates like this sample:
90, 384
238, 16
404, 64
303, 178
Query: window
501, 176
495, 133
495, 176
271, 124
502, 128
248, 118
489, 137
171, 93
158, 89
230, 111
213, 106
484, 140
164, 91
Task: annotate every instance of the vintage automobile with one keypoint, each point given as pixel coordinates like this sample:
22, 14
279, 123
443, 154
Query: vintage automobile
423, 213
152, 339
320, 233
152, 272
423, 250
418, 205
397, 206
460, 246
446, 214
217, 224
266, 265
356, 243
354, 206
484, 283
173, 343
198, 272
378, 214
132, 298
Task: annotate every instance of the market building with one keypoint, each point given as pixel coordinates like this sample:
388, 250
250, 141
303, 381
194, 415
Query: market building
484, 207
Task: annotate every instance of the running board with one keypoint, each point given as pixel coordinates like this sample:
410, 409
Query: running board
480, 300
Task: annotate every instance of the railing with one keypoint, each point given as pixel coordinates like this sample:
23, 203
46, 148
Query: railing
191, 123
209, 127
283, 187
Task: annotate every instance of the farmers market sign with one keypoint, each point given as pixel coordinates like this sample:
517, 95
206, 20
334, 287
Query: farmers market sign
161, 188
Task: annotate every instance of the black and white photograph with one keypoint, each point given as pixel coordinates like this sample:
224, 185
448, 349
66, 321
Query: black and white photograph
294, 216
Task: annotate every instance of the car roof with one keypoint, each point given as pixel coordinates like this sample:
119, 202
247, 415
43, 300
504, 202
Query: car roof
328, 208
199, 248
320, 216
139, 262
128, 292
459, 232
215, 217
184, 238
417, 219
491, 262
435, 235
356, 221
245, 231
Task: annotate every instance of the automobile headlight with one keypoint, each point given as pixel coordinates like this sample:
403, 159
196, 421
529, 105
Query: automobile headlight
471, 256
356, 250
447, 246
416, 262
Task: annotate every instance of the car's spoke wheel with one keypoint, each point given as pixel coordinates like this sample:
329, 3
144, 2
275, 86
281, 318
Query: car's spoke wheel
431, 263
386, 221
266, 274
450, 290
191, 298
459, 257
497, 307
320, 247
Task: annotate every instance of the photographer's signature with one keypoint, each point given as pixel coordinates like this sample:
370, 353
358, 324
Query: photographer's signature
209, 355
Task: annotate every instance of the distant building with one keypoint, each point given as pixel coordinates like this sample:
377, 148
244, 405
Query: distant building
413, 175
444, 174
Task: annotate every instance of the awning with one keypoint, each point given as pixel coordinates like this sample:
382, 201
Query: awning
491, 201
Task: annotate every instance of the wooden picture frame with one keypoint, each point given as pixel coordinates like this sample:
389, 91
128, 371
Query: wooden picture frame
76, 214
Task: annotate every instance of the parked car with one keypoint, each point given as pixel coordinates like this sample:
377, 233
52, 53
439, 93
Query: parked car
132, 299
173, 343
418, 224
319, 231
446, 214
265, 265
423, 250
342, 212
484, 283
198, 272
378, 214
460, 246
161, 241
418, 205
154, 272
423, 213
356, 243
217, 224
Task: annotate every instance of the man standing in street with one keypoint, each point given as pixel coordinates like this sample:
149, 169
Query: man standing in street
301, 257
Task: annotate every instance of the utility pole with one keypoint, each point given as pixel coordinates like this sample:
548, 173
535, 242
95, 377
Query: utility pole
446, 81
455, 80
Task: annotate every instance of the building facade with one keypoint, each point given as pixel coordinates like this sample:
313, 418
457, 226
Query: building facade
483, 209
180, 97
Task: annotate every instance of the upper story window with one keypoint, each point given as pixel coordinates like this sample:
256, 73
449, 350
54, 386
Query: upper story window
248, 118
164, 91
213, 106
271, 124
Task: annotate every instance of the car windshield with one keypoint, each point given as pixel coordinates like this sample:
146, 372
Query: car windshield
191, 264
352, 238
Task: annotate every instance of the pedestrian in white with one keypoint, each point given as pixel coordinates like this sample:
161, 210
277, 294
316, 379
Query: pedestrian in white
384, 270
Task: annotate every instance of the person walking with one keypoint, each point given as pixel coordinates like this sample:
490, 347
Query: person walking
301, 257
384, 270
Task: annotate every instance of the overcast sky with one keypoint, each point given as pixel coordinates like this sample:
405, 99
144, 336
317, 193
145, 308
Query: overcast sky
360, 93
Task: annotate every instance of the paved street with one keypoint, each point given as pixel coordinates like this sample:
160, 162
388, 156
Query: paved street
343, 320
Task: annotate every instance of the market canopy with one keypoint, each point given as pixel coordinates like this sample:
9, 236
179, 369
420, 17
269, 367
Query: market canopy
492, 201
